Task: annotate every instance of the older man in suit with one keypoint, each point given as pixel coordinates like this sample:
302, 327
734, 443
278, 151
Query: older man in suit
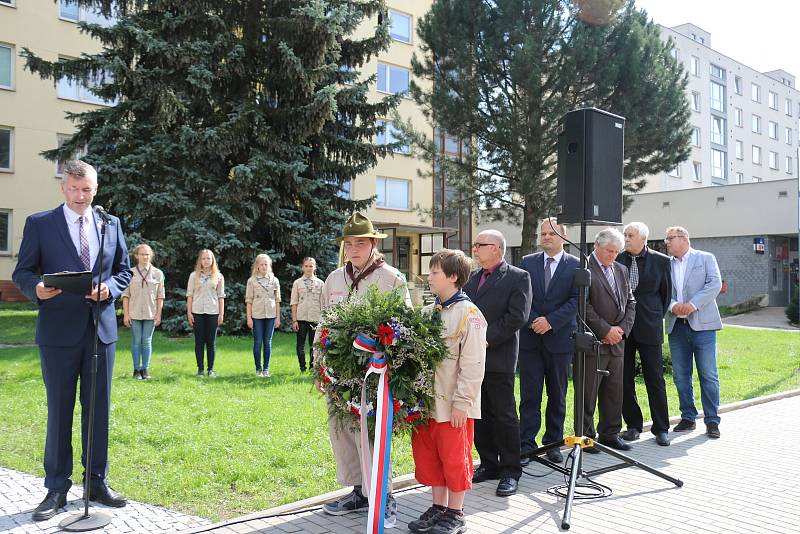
692, 323
67, 239
610, 313
503, 294
651, 283
547, 344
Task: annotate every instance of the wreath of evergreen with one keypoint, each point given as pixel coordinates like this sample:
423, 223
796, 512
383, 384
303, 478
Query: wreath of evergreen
411, 341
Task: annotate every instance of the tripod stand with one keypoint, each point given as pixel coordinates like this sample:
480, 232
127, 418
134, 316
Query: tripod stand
585, 342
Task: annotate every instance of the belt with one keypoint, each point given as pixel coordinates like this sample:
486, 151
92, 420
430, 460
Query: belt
683, 320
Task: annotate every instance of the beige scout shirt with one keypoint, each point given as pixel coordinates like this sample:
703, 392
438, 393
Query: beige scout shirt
263, 294
307, 296
337, 285
205, 297
142, 293
458, 378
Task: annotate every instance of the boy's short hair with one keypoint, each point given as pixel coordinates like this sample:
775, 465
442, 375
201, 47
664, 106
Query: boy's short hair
453, 263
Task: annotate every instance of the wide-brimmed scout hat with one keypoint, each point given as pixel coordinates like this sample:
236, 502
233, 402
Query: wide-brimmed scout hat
358, 225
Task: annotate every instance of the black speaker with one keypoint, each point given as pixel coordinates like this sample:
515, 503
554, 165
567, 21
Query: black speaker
590, 145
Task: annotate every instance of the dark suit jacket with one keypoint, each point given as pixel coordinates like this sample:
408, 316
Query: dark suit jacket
558, 305
505, 301
652, 296
604, 308
47, 248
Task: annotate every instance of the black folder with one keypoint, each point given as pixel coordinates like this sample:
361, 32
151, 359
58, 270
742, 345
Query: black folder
79, 283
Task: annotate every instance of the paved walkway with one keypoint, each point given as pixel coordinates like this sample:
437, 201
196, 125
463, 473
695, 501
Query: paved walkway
773, 317
20, 493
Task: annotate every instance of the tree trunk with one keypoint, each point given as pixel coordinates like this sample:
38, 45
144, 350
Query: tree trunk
530, 222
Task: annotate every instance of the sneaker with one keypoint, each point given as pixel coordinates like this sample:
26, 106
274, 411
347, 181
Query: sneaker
265, 373
137, 375
427, 519
684, 426
144, 374
258, 372
200, 373
352, 502
450, 522
390, 516
212, 374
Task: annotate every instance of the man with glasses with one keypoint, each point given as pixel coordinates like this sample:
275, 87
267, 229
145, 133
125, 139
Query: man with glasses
503, 294
692, 323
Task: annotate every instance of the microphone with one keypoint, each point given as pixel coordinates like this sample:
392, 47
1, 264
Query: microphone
103, 214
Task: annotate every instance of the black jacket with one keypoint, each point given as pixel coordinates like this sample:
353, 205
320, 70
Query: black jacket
652, 295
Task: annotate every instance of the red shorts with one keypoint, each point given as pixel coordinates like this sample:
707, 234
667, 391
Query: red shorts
443, 455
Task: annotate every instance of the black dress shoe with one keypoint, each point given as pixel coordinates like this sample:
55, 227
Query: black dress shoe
506, 487
712, 430
105, 495
616, 443
684, 426
591, 450
662, 438
483, 474
630, 435
50, 505
555, 456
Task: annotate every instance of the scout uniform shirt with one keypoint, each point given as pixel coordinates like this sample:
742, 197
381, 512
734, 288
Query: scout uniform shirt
458, 378
307, 296
205, 297
263, 294
337, 285
143, 292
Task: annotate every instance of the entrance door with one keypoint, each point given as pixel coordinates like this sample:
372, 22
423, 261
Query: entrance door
404, 256
779, 272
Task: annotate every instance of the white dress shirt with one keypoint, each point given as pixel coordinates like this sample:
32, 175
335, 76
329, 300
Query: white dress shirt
678, 274
554, 264
90, 224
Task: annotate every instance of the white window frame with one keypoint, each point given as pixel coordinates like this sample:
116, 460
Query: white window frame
410, 26
718, 104
788, 162
738, 117
715, 168
787, 135
756, 155
696, 136
675, 172
787, 104
389, 67
720, 139
755, 124
385, 180
772, 100
739, 177
696, 106
11, 65
82, 93
722, 73
694, 66
697, 171
10, 232
737, 84
772, 130
387, 137
755, 92
773, 160
739, 150
756, 180
84, 16
10, 167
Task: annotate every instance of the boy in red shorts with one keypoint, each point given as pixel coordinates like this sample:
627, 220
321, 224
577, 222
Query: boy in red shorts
443, 448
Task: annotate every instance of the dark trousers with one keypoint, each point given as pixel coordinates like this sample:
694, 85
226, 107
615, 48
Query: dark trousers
62, 367
606, 393
262, 342
538, 369
653, 371
497, 431
305, 330
205, 337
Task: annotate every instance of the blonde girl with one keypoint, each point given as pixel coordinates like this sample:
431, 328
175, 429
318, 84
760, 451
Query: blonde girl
205, 307
263, 300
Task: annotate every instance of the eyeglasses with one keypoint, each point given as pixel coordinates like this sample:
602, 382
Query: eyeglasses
671, 237
479, 245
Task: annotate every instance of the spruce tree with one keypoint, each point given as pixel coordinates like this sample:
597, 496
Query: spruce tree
238, 126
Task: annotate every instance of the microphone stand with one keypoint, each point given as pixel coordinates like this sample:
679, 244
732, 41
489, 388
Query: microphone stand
77, 521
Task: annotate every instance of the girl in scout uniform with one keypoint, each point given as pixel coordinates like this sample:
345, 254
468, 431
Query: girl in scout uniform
205, 307
263, 299
142, 302
306, 303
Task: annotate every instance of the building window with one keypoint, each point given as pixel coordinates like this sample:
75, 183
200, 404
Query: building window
772, 100
7, 2
697, 174
6, 66
788, 164
757, 155
389, 136
695, 101
6, 148
756, 124
739, 150
392, 79
676, 171
400, 29
69, 10
787, 107
393, 193
674, 53
756, 179
718, 130
717, 71
773, 130
737, 84
788, 136
773, 160
737, 113
739, 177
717, 97
695, 136
717, 164
694, 66
5, 231
70, 89
755, 92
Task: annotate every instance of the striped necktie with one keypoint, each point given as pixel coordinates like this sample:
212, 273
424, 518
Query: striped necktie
609, 272
634, 273
86, 258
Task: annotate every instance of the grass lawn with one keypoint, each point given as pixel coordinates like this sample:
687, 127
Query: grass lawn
239, 443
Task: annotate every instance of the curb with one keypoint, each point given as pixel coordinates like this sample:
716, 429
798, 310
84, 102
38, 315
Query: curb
408, 481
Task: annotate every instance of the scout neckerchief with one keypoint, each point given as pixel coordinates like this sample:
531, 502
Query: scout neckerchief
144, 276
459, 296
348, 268
265, 282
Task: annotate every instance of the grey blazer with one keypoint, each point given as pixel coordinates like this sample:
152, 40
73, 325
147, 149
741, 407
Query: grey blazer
701, 285
607, 307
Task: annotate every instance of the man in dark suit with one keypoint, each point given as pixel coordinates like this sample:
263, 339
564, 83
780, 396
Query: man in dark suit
68, 239
503, 294
610, 313
651, 283
547, 344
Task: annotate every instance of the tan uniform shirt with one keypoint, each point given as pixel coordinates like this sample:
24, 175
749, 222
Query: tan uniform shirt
142, 294
307, 296
263, 295
458, 379
337, 285
205, 297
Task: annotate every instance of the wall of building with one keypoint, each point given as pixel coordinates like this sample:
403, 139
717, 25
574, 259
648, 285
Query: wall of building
743, 270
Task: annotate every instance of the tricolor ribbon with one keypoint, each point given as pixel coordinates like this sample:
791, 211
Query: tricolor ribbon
375, 470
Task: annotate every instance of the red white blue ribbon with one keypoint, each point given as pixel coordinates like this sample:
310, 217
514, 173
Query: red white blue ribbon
376, 470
